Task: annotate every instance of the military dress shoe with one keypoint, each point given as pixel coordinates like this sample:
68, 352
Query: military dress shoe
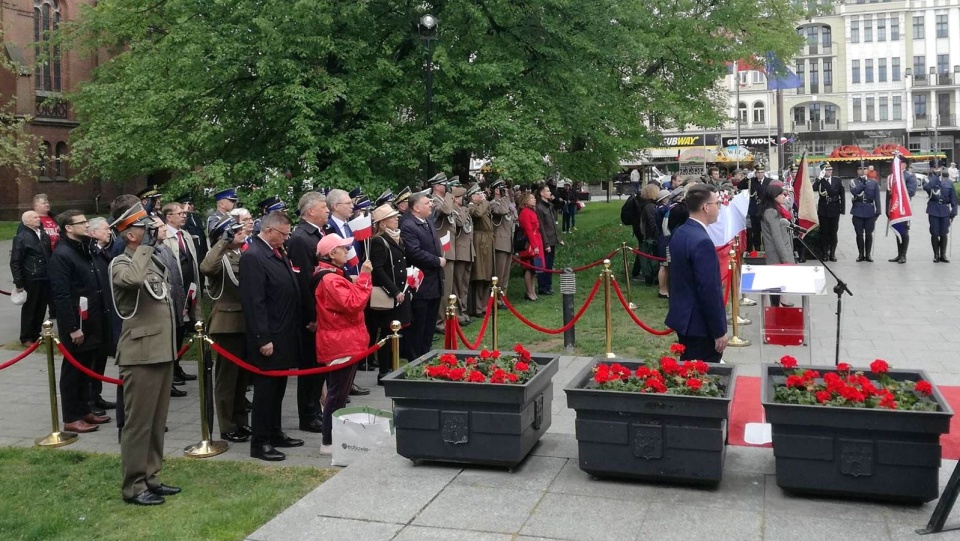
179, 373
177, 380
80, 426
246, 429
145, 498
103, 404
177, 393
96, 419
165, 490
313, 425
265, 451
284, 440
356, 390
236, 436
97, 411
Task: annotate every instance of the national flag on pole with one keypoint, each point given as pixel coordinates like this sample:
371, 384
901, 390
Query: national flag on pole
361, 227
732, 219
84, 308
779, 76
445, 242
900, 214
414, 278
352, 259
803, 197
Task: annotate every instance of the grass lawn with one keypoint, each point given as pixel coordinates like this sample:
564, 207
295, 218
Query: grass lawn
598, 232
8, 230
58, 494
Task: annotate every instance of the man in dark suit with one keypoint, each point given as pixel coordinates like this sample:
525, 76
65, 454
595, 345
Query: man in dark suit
302, 249
422, 247
696, 309
271, 301
341, 209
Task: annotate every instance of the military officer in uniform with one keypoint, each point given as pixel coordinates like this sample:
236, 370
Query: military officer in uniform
193, 225
226, 326
402, 202
483, 249
145, 354
831, 205
463, 252
504, 218
865, 193
755, 184
267, 206
226, 201
941, 209
445, 217
910, 181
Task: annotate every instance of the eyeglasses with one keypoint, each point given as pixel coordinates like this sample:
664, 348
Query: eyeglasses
344, 203
717, 203
78, 223
286, 234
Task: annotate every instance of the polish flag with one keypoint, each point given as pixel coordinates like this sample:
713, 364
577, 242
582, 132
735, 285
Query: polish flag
352, 259
361, 227
84, 308
900, 213
414, 278
445, 242
803, 197
192, 293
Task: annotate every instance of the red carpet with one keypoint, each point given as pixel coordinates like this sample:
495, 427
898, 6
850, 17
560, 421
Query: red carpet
747, 409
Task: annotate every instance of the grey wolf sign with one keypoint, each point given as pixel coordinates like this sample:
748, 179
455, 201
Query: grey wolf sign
762, 141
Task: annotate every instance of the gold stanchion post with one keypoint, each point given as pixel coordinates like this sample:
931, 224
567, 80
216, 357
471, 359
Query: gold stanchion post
734, 267
735, 340
395, 345
744, 301
608, 316
495, 293
55, 438
451, 317
205, 448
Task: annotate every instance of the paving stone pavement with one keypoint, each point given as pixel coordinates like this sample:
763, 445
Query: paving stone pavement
903, 313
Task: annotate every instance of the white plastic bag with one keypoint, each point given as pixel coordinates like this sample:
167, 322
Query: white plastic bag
357, 430
18, 297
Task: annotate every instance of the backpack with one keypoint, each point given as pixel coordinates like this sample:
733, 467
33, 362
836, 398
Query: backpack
629, 213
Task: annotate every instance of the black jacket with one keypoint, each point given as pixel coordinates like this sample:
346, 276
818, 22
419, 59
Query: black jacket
270, 296
421, 245
29, 256
302, 250
75, 274
390, 273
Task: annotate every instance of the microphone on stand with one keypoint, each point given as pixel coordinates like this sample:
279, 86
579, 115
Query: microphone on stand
794, 227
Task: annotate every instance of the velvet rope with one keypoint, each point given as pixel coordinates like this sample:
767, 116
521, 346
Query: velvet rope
33, 347
299, 372
2, 292
483, 329
184, 349
528, 266
644, 326
76, 364
646, 255
568, 326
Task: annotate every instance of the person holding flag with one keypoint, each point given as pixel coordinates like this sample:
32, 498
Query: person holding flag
341, 208
865, 211
390, 274
941, 210
421, 246
901, 186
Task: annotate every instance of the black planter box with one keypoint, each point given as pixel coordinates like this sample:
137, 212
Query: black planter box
471, 423
872, 454
660, 437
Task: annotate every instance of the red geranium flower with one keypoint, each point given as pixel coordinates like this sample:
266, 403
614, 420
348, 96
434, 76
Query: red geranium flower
788, 362
511, 377
796, 381
924, 387
521, 366
677, 349
694, 383
448, 359
470, 360
475, 376
655, 385
669, 365
823, 396
843, 367
879, 366
485, 354
457, 374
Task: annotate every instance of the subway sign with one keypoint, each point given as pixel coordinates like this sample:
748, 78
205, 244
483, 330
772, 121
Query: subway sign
690, 140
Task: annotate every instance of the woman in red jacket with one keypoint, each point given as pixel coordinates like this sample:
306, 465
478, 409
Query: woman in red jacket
533, 255
341, 330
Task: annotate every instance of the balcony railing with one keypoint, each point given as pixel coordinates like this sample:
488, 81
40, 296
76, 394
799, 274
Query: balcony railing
947, 120
52, 108
926, 122
939, 79
816, 125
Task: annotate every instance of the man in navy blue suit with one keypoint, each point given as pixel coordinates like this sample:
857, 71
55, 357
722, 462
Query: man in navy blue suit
696, 309
422, 247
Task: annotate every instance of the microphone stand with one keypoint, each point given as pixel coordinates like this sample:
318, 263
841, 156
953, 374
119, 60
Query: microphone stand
839, 289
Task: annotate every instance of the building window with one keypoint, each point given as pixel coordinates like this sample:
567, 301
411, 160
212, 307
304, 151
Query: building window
742, 115
871, 113
814, 77
60, 160
812, 39
867, 28
802, 75
826, 38
814, 112
827, 76
942, 26
920, 67
799, 115
43, 159
857, 110
881, 70
881, 28
920, 105
897, 108
883, 108
868, 71
46, 19
854, 30
830, 113
943, 64
759, 116
895, 69
856, 71
895, 28
918, 27
759, 77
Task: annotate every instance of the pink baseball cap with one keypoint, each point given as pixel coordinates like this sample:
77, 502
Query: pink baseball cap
331, 241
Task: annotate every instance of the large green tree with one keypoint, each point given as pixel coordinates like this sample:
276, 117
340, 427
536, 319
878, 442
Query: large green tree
18, 148
221, 91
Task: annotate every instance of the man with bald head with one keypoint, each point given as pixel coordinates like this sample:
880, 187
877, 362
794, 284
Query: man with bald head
28, 264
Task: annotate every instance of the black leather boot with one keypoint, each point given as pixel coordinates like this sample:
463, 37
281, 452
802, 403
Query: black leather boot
935, 243
860, 250
943, 249
896, 258
903, 251
868, 249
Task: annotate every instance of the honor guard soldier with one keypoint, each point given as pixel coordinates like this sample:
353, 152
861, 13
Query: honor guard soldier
483, 261
941, 209
145, 353
755, 184
194, 225
150, 199
226, 201
385, 198
267, 206
504, 216
865, 209
831, 205
402, 202
445, 219
910, 181
463, 262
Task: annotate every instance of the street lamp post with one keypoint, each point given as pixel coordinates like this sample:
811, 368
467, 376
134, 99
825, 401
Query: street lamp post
428, 34
936, 122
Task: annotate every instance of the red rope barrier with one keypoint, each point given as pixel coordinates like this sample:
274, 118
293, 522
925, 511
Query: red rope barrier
646, 255
184, 349
726, 290
573, 321
2, 292
76, 364
299, 372
526, 265
33, 347
644, 326
483, 329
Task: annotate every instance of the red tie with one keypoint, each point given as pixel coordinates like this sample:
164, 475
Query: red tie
276, 252
183, 247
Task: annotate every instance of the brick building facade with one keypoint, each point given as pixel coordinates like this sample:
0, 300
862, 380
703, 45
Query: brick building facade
35, 90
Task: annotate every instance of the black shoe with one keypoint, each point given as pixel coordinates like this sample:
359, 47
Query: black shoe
145, 498
356, 390
103, 404
861, 258
165, 490
179, 373
944, 260
245, 429
895, 259
380, 379
177, 393
313, 425
833, 257
97, 411
284, 440
236, 436
177, 380
868, 259
265, 451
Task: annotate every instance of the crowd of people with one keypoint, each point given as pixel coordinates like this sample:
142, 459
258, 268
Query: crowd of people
281, 296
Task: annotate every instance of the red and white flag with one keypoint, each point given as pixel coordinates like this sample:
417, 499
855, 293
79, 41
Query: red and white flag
445, 242
803, 197
414, 278
361, 227
192, 293
84, 308
900, 213
352, 259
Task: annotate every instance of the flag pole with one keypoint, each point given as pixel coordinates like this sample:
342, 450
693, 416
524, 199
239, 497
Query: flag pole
736, 83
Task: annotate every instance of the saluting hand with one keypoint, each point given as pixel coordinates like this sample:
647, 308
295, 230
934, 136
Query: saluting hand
267, 350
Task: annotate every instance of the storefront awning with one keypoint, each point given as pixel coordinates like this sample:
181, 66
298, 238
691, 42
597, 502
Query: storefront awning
698, 154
